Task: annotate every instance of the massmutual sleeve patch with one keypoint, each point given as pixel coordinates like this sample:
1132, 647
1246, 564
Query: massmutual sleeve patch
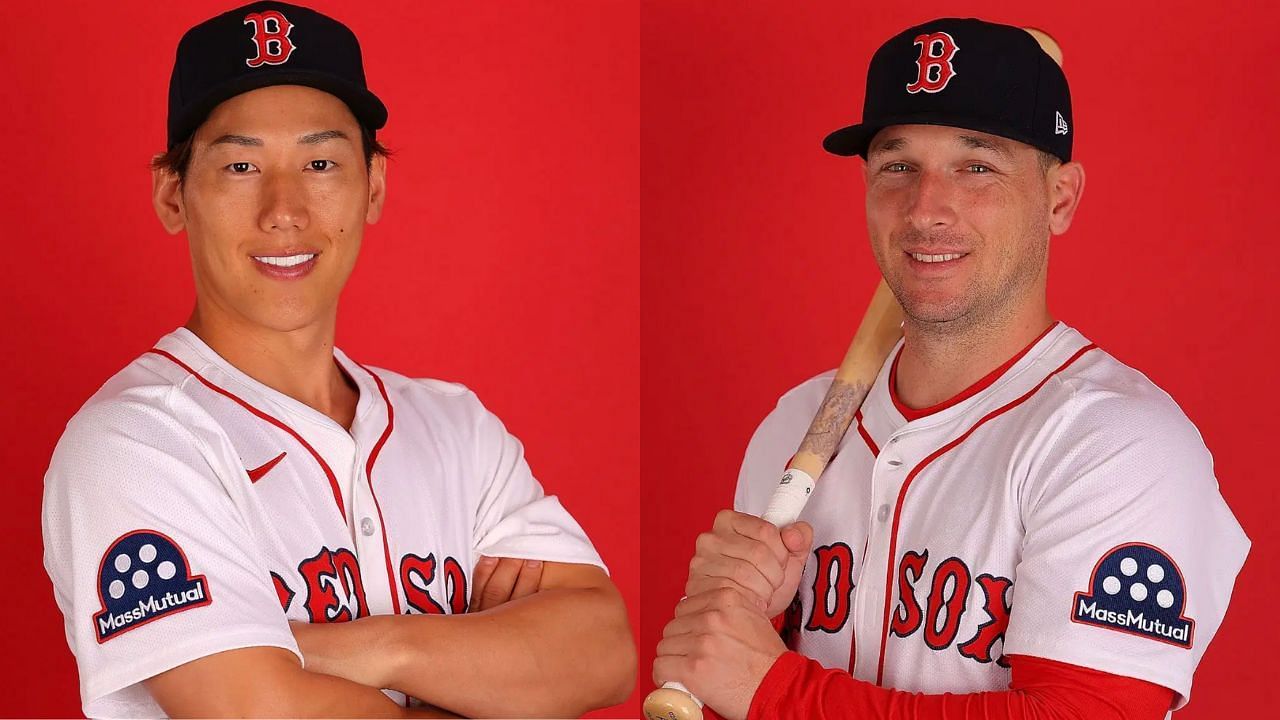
144, 576
1137, 589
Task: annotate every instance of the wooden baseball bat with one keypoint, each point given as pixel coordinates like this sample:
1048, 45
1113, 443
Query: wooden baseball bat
878, 332
1047, 43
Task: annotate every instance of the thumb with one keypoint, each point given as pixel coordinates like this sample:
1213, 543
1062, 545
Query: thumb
797, 538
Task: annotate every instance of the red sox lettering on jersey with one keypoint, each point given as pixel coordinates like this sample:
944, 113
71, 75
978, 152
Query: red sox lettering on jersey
209, 510
935, 68
1041, 512
271, 38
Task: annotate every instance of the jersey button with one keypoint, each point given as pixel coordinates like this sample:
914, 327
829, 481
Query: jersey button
883, 513
366, 526
894, 463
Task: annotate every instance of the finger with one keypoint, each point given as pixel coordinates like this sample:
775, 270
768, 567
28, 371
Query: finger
754, 528
797, 538
717, 547
705, 585
529, 581
484, 568
740, 572
498, 590
669, 667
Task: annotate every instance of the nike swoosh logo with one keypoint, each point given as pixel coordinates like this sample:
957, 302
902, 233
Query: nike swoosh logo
256, 474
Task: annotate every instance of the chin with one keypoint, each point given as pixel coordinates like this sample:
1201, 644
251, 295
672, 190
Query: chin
283, 318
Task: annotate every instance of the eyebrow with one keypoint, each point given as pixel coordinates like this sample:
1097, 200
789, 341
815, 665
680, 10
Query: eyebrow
970, 141
309, 139
888, 146
978, 143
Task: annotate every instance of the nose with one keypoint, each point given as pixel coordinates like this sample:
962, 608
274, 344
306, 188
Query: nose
284, 204
931, 203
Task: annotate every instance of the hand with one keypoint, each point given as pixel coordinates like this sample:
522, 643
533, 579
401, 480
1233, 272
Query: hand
719, 646
500, 580
752, 556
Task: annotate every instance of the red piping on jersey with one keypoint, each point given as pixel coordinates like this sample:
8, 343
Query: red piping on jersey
866, 436
986, 382
333, 481
902, 495
368, 474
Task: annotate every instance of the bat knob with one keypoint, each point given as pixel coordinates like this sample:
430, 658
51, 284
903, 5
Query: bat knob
671, 704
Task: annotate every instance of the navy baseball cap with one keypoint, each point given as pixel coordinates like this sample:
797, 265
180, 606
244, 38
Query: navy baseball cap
964, 73
264, 44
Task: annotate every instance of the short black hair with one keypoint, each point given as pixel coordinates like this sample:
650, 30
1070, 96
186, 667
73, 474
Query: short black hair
177, 158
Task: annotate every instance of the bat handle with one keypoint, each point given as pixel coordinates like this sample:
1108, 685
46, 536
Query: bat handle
672, 701
789, 497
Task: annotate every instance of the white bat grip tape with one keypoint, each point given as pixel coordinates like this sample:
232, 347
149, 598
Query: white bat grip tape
789, 497
673, 685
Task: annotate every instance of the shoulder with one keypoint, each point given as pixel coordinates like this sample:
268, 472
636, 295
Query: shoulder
1100, 397
434, 400
798, 404
1104, 429
143, 399
776, 439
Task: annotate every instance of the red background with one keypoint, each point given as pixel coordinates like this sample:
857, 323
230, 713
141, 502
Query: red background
507, 259
756, 266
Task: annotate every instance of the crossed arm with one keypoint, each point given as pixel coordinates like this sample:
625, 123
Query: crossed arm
559, 647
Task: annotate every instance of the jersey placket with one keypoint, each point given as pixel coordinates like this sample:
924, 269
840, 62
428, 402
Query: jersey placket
889, 472
367, 532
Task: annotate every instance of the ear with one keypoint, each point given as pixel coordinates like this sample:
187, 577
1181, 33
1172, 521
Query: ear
1066, 186
166, 197
377, 188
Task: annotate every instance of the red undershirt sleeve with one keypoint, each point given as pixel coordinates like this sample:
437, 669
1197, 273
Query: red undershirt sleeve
797, 688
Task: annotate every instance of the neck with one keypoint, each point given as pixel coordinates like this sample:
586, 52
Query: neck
298, 363
939, 361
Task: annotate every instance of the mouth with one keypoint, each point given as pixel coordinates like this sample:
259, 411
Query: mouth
942, 258
934, 262
286, 267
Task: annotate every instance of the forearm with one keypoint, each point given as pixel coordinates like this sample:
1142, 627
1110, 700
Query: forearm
797, 687
266, 682
557, 653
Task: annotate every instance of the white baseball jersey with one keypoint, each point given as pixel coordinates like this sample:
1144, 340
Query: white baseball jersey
1063, 507
189, 509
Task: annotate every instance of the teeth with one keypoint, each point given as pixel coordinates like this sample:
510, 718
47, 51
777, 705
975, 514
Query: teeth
935, 258
289, 261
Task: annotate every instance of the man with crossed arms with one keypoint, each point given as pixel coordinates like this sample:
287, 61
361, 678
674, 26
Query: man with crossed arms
1017, 525
247, 522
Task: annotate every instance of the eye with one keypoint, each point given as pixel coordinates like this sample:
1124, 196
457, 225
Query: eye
321, 165
240, 168
978, 169
896, 167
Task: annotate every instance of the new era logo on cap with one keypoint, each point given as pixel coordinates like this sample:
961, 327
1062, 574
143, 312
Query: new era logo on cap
1059, 124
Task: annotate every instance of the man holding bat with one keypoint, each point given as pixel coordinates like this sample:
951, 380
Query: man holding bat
1015, 524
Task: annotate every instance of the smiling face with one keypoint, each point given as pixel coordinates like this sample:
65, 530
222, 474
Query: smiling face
274, 203
959, 221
